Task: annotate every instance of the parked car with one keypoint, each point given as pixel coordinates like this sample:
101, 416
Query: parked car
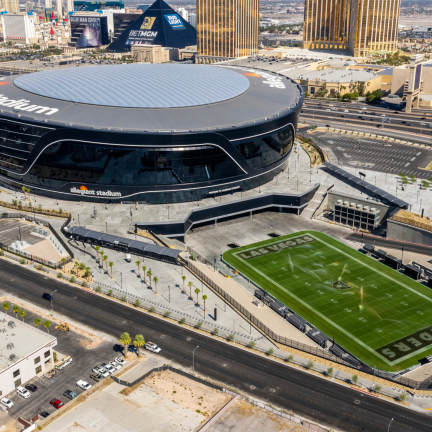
6, 402
108, 367
64, 364
31, 387
120, 360
56, 403
99, 370
47, 296
23, 392
84, 385
44, 414
70, 394
115, 365
151, 346
96, 377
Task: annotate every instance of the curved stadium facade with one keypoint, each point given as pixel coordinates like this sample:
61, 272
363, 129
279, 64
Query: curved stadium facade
155, 133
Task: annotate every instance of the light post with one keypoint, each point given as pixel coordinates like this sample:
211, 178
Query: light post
193, 358
51, 301
169, 293
390, 422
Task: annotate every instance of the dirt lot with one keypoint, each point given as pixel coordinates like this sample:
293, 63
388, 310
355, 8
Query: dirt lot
187, 393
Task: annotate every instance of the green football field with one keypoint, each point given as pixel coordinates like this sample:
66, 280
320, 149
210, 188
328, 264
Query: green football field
379, 315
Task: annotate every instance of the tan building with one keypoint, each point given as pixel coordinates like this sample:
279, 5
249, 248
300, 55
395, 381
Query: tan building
12, 6
227, 29
150, 53
359, 26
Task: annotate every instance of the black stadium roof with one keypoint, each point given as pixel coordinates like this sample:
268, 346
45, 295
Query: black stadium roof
154, 99
158, 25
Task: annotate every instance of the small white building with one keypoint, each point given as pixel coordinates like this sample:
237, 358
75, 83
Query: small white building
25, 351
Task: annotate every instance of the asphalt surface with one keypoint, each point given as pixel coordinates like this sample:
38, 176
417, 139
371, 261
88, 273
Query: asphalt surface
376, 155
305, 394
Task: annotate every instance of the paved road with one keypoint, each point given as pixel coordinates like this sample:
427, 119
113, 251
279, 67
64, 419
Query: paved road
305, 394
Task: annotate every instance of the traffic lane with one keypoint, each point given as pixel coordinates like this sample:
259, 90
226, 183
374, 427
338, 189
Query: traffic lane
306, 394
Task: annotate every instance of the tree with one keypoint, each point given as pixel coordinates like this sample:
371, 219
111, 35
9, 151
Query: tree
144, 268
197, 291
37, 322
47, 324
63, 261
6, 306
139, 342
155, 280
125, 340
15, 310
149, 274
22, 314
190, 289
354, 379
111, 267
101, 253
183, 279
105, 258
204, 297
138, 263
87, 273
97, 249
330, 371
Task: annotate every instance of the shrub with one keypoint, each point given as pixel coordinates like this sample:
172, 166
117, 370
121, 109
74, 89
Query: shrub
215, 331
329, 372
22, 261
59, 275
230, 337
199, 324
137, 303
54, 356
270, 351
84, 284
402, 397
152, 309
39, 267
72, 279
109, 293
288, 358
98, 289
354, 379
309, 364
182, 320
123, 298
167, 314
1, 252
251, 344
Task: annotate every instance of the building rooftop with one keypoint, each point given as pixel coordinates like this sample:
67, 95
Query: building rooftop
18, 340
332, 75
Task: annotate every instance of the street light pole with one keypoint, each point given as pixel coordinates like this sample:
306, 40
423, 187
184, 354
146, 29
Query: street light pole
390, 422
193, 358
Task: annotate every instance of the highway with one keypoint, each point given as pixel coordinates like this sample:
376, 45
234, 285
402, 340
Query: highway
305, 394
363, 117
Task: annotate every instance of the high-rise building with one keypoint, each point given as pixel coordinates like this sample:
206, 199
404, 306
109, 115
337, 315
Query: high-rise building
227, 28
59, 4
359, 26
11, 6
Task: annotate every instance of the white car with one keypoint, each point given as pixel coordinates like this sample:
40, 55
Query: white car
23, 392
120, 360
6, 402
109, 368
64, 364
151, 346
115, 365
99, 370
84, 385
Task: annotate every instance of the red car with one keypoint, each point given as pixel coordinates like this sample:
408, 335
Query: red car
56, 403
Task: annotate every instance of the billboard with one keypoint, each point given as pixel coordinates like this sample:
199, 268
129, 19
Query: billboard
174, 21
88, 31
143, 35
15, 27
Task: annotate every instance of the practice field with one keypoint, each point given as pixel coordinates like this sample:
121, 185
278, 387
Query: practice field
375, 313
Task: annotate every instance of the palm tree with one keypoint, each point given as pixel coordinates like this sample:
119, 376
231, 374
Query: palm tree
111, 266
138, 263
101, 253
139, 342
87, 273
204, 297
105, 257
125, 340
47, 324
22, 314
149, 274
15, 310
183, 279
82, 266
63, 261
155, 280
197, 291
190, 289
6, 306
37, 322
144, 268
97, 249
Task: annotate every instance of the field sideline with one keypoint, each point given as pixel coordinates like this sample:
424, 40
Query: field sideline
374, 312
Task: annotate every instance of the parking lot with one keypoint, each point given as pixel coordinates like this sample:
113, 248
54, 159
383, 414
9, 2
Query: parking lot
84, 358
376, 155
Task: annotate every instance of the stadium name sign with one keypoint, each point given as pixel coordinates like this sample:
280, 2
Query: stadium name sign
92, 192
276, 247
26, 105
407, 345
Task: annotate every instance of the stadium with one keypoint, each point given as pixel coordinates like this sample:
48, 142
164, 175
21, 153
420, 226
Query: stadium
151, 133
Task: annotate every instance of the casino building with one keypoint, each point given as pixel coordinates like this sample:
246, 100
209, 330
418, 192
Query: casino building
153, 133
